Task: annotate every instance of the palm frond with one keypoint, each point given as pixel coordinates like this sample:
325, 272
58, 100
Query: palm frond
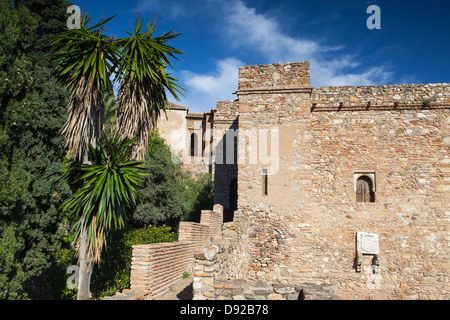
85, 67
109, 188
144, 81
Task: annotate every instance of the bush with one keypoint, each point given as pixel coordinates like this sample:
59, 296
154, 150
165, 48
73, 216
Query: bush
151, 234
162, 191
199, 196
168, 193
57, 277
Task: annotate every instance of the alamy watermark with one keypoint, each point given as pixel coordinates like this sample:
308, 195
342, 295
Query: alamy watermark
235, 147
72, 281
74, 20
374, 21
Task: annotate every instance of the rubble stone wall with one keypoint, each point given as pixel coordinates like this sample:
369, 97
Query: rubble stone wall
301, 235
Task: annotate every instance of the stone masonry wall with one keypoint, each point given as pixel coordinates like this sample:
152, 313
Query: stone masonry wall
224, 169
279, 229
411, 95
407, 147
223, 261
300, 237
221, 272
277, 75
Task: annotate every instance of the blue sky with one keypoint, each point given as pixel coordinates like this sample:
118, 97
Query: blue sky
219, 36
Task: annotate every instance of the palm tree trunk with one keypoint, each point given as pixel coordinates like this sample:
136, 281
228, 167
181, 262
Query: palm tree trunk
86, 264
85, 271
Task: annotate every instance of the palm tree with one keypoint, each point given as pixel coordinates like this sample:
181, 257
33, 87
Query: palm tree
85, 67
108, 188
88, 60
144, 81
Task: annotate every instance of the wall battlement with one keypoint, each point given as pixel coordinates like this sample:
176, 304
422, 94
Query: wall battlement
274, 76
410, 96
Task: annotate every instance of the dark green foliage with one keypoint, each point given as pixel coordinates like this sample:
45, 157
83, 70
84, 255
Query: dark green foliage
162, 191
11, 274
57, 274
199, 196
168, 194
32, 111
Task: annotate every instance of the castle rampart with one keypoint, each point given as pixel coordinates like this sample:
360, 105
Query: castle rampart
372, 159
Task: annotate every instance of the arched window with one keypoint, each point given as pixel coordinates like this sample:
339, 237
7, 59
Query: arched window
364, 190
194, 145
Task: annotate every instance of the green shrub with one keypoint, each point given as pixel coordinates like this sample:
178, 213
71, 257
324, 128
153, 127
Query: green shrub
168, 193
162, 190
151, 234
199, 196
57, 277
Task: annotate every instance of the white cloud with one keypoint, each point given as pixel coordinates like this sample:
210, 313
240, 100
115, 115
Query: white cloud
329, 66
335, 73
250, 33
204, 90
245, 28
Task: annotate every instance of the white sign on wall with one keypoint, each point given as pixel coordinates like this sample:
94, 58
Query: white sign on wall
367, 243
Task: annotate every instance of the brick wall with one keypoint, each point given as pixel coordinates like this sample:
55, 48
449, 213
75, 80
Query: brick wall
156, 267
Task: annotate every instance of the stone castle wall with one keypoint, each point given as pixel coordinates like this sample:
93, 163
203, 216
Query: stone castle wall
300, 237
279, 229
406, 146
405, 95
224, 171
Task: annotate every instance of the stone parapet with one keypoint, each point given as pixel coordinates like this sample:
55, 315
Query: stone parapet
368, 97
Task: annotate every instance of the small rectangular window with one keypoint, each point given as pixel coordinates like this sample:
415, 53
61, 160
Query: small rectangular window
265, 182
